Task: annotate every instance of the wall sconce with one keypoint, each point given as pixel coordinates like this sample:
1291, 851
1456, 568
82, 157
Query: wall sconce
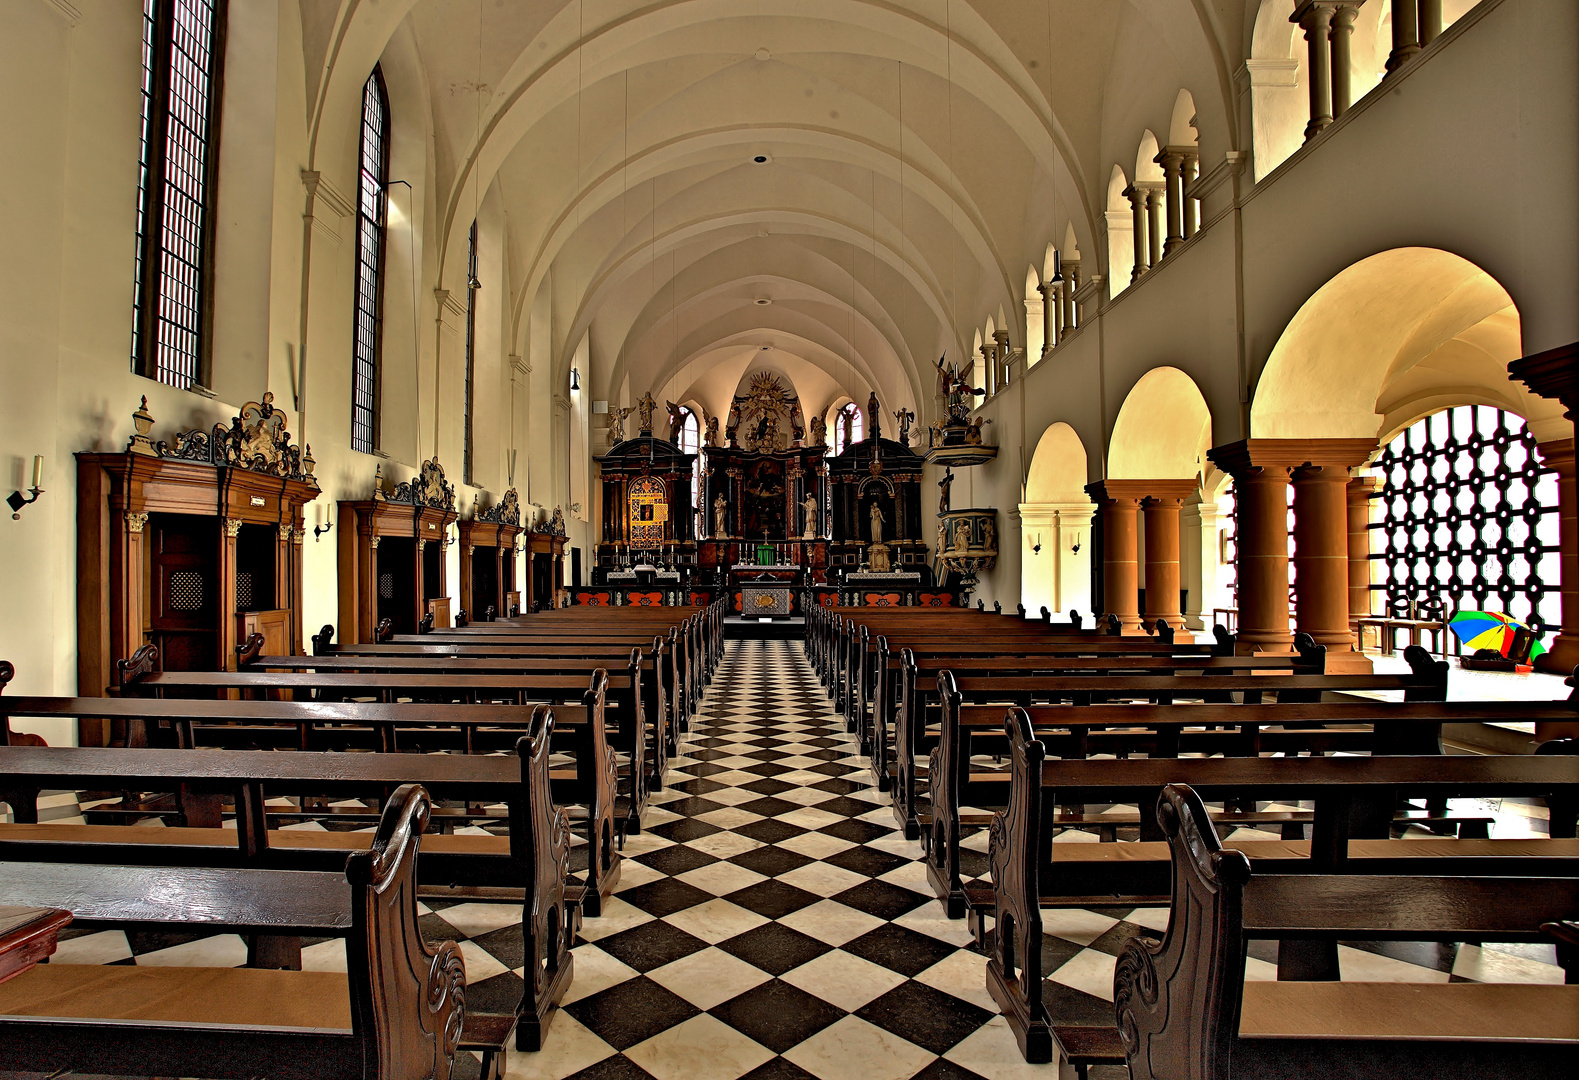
319, 530
1074, 549
575, 379
1036, 548
16, 500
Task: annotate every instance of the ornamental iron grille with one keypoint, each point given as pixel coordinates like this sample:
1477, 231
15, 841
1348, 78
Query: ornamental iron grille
368, 317
1467, 515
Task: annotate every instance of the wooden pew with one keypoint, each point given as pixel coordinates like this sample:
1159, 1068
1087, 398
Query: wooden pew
1029, 872
1184, 1009
397, 1015
1167, 731
433, 680
316, 726
917, 702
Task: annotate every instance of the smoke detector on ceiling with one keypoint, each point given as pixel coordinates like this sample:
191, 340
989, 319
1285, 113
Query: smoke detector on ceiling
763, 301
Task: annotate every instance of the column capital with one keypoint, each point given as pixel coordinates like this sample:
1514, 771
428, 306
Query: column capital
1552, 374
1112, 491
1240, 459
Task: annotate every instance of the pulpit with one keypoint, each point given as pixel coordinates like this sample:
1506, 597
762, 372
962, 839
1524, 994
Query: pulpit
392, 563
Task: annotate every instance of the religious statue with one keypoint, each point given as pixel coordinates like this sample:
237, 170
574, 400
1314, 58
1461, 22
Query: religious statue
973, 431
877, 522
720, 517
819, 431
874, 413
906, 417
953, 386
676, 421
847, 419
644, 411
797, 423
943, 491
765, 439
712, 431
812, 521
617, 424
733, 429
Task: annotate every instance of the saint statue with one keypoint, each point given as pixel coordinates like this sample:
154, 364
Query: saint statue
644, 411
720, 517
874, 414
819, 431
731, 432
812, 521
847, 418
712, 431
906, 417
877, 523
676, 421
797, 422
617, 424
943, 491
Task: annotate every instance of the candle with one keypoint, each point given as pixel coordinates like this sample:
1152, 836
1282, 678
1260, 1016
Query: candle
38, 470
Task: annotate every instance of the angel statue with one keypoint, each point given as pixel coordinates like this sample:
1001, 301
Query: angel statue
712, 431
953, 386
973, 431
906, 417
676, 421
819, 431
644, 410
617, 424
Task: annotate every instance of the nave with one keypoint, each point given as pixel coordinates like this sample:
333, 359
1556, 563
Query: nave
770, 921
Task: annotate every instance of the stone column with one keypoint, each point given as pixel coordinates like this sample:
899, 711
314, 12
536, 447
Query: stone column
1162, 550
1342, 31
1261, 516
1358, 495
1172, 161
1406, 34
1188, 174
1430, 21
1321, 555
1315, 18
1155, 194
1200, 562
1052, 308
1119, 502
1071, 283
1005, 357
1555, 374
1137, 206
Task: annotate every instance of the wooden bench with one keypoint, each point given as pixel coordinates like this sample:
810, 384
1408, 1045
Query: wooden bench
1168, 731
917, 704
434, 682
587, 790
397, 1014
1183, 1007
1029, 872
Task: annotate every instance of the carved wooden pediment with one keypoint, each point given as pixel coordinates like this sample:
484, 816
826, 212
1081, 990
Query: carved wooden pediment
255, 440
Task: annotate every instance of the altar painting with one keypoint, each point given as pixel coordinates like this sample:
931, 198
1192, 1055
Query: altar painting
764, 499
649, 512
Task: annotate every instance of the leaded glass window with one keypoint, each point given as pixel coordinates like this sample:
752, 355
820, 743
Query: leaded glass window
183, 49
371, 198
1468, 515
857, 427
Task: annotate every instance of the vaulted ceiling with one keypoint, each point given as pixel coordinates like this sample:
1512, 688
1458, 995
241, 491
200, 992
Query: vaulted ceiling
883, 172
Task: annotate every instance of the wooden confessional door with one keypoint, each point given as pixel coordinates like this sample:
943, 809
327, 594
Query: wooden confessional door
485, 583
396, 583
184, 591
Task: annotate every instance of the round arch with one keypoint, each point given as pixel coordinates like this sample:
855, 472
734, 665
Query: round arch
1055, 526
1163, 429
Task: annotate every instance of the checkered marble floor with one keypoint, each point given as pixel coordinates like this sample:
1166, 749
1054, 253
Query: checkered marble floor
772, 923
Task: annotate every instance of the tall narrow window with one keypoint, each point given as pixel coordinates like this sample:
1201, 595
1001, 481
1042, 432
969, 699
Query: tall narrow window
691, 443
472, 285
372, 187
183, 50
857, 427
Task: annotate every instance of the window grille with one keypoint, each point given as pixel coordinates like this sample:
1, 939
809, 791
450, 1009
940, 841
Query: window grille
372, 195
472, 285
183, 43
186, 591
1468, 516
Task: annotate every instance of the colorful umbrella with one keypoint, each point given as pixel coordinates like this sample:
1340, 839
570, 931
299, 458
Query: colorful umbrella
1489, 630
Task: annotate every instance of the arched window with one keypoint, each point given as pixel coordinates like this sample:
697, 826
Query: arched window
1468, 515
691, 443
857, 427
372, 187
182, 58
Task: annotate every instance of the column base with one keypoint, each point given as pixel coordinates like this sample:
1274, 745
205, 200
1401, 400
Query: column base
1562, 657
1247, 645
1348, 662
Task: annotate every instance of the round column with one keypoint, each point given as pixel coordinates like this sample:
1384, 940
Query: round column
1261, 513
1051, 302
1342, 31
1172, 162
1162, 560
1315, 18
1321, 555
1154, 201
1137, 208
1406, 34
1120, 572
1358, 493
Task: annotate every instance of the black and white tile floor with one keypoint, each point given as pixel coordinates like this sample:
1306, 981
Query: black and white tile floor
772, 923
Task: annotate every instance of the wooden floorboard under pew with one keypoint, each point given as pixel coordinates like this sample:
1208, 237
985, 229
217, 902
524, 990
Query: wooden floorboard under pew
533, 860
1030, 872
1167, 731
633, 735
1183, 1007
397, 1014
917, 705
587, 790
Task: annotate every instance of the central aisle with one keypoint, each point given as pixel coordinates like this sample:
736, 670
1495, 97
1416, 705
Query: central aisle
772, 922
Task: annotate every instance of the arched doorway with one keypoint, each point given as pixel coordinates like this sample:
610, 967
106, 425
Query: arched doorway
1055, 527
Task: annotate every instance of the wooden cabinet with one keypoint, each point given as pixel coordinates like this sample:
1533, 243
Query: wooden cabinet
391, 554
187, 544
488, 559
